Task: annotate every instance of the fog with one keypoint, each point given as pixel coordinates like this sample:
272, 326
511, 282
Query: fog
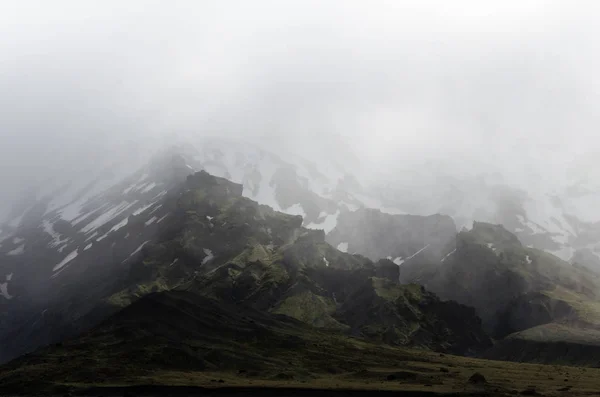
508, 86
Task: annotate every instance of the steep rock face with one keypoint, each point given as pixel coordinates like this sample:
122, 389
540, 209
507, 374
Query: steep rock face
377, 235
559, 221
512, 287
383, 310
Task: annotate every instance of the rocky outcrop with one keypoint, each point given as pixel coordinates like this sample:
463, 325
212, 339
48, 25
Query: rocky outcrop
512, 287
377, 235
397, 314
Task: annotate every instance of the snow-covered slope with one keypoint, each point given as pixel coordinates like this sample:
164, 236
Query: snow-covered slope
72, 223
550, 219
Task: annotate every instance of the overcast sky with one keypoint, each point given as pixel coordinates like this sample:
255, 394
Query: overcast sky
509, 85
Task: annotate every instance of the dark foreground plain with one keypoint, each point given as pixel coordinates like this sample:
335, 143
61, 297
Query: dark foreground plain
177, 343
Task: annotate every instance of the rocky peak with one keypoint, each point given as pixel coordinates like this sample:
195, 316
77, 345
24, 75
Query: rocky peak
218, 187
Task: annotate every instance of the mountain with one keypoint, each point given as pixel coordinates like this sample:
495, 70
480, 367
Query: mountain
512, 287
85, 238
234, 250
200, 234
77, 231
559, 218
523, 295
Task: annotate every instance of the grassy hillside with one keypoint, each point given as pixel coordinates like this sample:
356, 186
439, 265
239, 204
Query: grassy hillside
178, 339
512, 287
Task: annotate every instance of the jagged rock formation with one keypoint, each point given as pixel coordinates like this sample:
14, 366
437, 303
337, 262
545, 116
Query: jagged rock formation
514, 288
408, 314
202, 235
377, 235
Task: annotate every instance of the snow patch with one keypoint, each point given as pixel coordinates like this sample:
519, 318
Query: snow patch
417, 253
116, 227
296, 209
528, 259
17, 251
328, 224
349, 206
142, 209
138, 249
174, 262
149, 187
560, 239
92, 236
343, 247
448, 254
532, 225
150, 221
87, 247
155, 209
9, 277
56, 240
326, 261
267, 190
398, 261
161, 219
4, 290
107, 216
67, 259
18, 240
209, 256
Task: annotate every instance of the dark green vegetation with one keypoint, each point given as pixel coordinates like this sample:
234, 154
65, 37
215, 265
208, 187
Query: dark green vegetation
189, 343
525, 292
529, 299
224, 246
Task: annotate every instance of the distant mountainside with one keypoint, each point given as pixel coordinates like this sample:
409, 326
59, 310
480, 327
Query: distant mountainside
376, 235
562, 221
521, 293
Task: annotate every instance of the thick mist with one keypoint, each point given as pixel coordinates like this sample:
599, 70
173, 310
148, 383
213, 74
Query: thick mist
508, 87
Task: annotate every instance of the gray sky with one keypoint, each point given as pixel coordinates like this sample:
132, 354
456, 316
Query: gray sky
508, 85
